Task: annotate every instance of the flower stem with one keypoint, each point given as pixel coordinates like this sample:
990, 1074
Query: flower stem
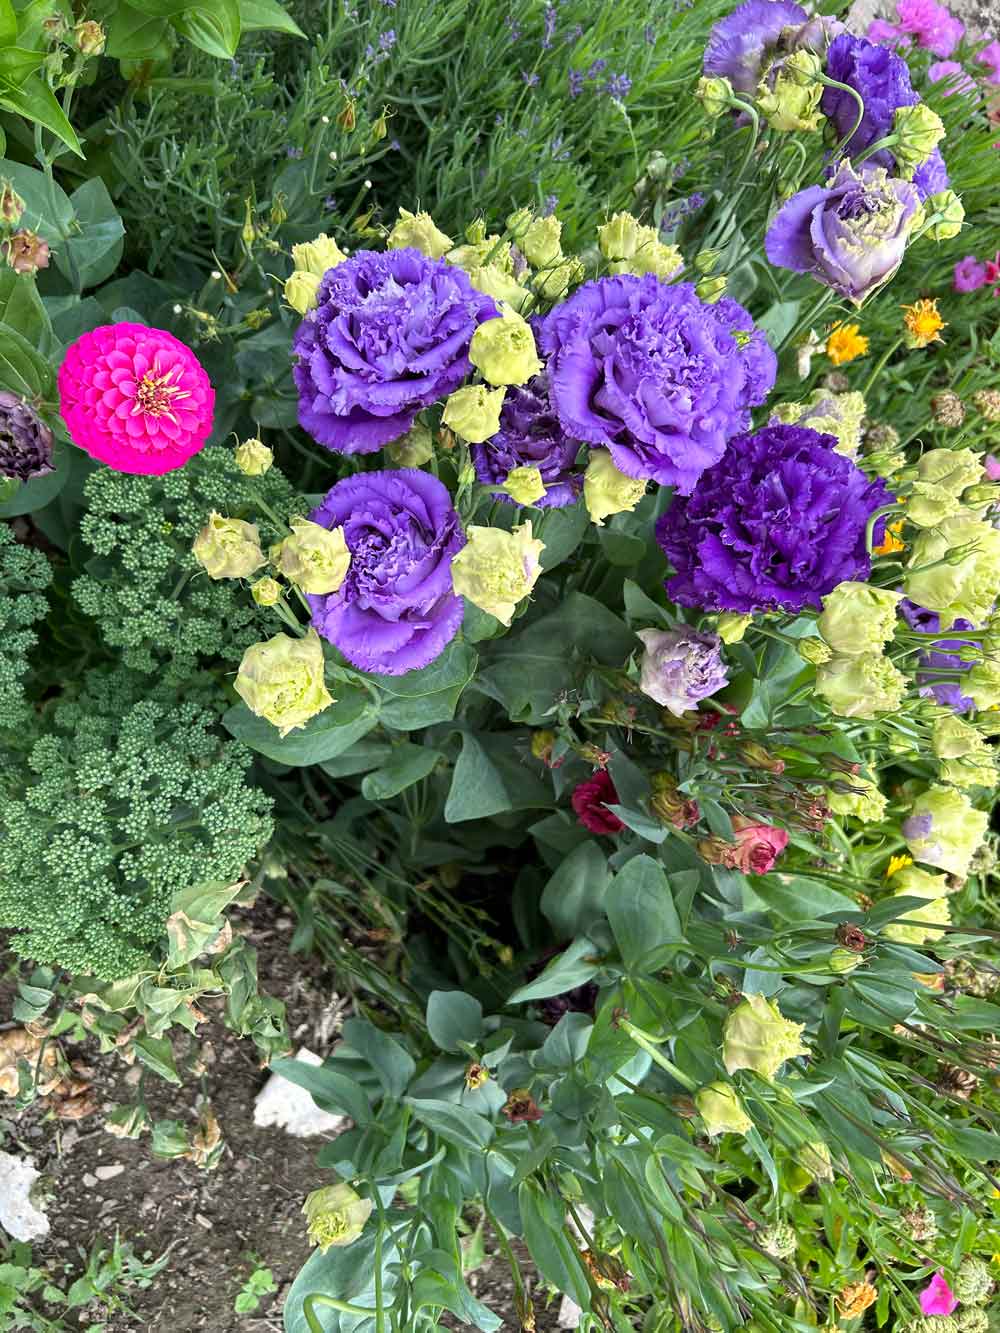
317, 1298
880, 366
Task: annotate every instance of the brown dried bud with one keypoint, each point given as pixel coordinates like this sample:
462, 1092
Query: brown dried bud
957, 1082
947, 408
348, 117
476, 1075
542, 743
851, 937
11, 205
880, 435
987, 403
26, 252
521, 1106
758, 757
670, 806
836, 381
90, 37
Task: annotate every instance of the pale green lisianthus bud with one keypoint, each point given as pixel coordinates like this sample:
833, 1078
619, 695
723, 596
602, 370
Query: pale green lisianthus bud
607, 491
918, 132
253, 457
495, 281
633, 248
843, 960
916, 927
711, 290
496, 569
793, 102
944, 829
282, 680
266, 592
731, 627
867, 804
858, 618
414, 448
519, 221
314, 558
474, 412
300, 291
228, 548
757, 1036
860, 686
541, 243
972, 770
954, 569
336, 1215
417, 230
982, 683
504, 349
813, 650
836, 414
715, 96
554, 283
721, 1110
525, 485
946, 213
952, 469
317, 256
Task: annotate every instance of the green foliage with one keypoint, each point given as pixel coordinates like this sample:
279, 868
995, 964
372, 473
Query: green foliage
144, 588
123, 802
25, 574
109, 1274
259, 1284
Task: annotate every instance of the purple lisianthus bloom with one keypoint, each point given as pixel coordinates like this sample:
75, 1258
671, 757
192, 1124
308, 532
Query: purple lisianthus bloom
774, 526
680, 667
530, 436
390, 335
396, 610
652, 373
883, 80
738, 44
849, 235
941, 655
931, 177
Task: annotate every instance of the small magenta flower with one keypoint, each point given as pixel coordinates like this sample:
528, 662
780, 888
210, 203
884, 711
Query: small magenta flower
590, 801
969, 275
937, 1297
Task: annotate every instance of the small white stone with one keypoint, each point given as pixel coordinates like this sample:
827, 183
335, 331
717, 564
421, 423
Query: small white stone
109, 1172
18, 1215
203, 1221
89, 1179
569, 1315
286, 1106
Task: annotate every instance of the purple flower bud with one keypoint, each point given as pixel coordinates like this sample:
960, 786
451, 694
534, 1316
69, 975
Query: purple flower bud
680, 667
25, 440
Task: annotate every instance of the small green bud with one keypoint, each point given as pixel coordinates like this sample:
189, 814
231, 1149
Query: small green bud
228, 548
300, 291
721, 1110
918, 131
813, 650
706, 260
525, 485
607, 491
414, 448
253, 457
843, 960
474, 412
731, 627
711, 290
946, 213
266, 591
715, 96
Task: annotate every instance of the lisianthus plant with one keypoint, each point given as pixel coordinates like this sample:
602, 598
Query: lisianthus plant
610, 621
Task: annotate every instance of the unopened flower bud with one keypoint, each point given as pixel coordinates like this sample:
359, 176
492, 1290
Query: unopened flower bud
521, 1107
542, 743
89, 37
711, 290
706, 260
671, 806
504, 349
475, 232
26, 251
607, 491
851, 937
417, 231
524, 485
779, 1240
814, 650
336, 1215
518, 222
228, 548
314, 558
946, 213
715, 96
983, 494
758, 757
474, 412
253, 457
947, 408
843, 960
348, 116
266, 592
731, 626
414, 448
721, 1110
300, 291
541, 243
317, 256
918, 131
11, 205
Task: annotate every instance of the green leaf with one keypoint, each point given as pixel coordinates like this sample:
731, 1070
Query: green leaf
324, 736
573, 899
206, 901
409, 764
157, 1054
440, 1283
92, 253
214, 29
455, 1124
267, 15
640, 907
391, 1062
422, 698
23, 370
348, 1271
491, 779
133, 35
36, 101
370, 752
796, 898
331, 1091
453, 1017
21, 309
16, 64
571, 968
545, 1235
8, 23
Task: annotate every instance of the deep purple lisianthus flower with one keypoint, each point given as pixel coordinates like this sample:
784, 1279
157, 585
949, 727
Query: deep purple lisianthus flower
390, 335
653, 374
969, 275
680, 667
941, 655
530, 436
883, 80
737, 44
850, 234
395, 611
774, 526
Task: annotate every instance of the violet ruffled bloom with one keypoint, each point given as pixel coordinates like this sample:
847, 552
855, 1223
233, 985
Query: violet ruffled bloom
389, 336
931, 177
883, 80
680, 667
738, 44
990, 57
969, 275
887, 34
774, 526
652, 373
530, 436
849, 235
396, 610
940, 655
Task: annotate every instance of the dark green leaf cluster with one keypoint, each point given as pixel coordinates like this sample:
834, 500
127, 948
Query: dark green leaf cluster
25, 573
123, 801
148, 594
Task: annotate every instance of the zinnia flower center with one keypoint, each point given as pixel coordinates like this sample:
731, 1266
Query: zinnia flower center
155, 392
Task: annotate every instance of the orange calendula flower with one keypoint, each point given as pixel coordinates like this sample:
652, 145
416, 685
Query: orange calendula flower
856, 1297
891, 543
897, 863
846, 341
923, 323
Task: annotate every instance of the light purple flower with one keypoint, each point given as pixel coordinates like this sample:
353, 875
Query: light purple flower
680, 667
850, 234
991, 467
738, 44
969, 275
887, 34
953, 76
917, 827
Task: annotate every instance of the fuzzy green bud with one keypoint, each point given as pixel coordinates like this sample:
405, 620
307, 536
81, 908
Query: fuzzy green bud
417, 230
282, 680
474, 412
496, 569
317, 256
715, 96
858, 618
860, 686
335, 1215
253, 457
864, 802
504, 349
757, 1036
414, 448
731, 626
228, 548
607, 491
721, 1110
266, 592
954, 569
944, 829
946, 213
793, 102
918, 130
314, 558
524, 485
300, 291
541, 242
711, 290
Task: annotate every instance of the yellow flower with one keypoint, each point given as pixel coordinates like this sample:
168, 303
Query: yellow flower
856, 1297
923, 323
897, 863
891, 542
846, 341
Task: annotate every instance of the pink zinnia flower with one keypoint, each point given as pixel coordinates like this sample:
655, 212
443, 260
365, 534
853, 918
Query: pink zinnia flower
932, 24
990, 55
969, 275
135, 398
953, 76
937, 1297
590, 803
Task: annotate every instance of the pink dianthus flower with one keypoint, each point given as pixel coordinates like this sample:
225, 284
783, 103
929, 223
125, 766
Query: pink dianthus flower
933, 25
969, 275
135, 398
952, 75
990, 55
887, 34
